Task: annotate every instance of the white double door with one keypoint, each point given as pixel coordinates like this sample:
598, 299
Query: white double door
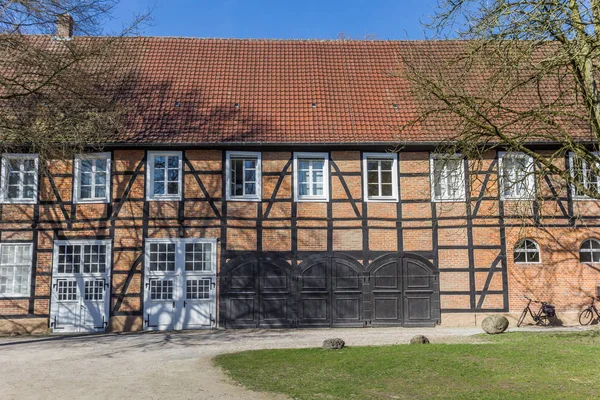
80, 286
180, 284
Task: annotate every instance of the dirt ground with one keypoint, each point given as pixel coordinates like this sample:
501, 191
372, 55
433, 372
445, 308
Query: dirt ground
164, 365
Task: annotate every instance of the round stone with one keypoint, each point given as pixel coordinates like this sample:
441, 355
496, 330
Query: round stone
419, 339
494, 324
333, 344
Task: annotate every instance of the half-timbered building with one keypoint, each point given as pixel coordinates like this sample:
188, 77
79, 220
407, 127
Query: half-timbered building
266, 183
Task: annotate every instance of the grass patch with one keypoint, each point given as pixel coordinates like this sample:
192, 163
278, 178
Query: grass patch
522, 365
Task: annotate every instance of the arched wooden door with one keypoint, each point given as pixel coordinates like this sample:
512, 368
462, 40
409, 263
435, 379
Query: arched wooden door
405, 291
330, 292
256, 292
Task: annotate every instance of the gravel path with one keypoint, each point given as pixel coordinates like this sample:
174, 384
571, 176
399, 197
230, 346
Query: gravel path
163, 365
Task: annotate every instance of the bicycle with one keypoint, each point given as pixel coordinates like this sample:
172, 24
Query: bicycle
587, 316
545, 316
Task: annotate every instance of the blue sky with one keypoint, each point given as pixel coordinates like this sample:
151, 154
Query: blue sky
283, 19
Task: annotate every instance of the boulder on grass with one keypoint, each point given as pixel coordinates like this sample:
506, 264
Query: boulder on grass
494, 324
333, 344
419, 339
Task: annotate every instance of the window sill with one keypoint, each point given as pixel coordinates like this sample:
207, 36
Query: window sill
381, 200
90, 201
458, 200
19, 201
251, 199
311, 200
164, 198
15, 296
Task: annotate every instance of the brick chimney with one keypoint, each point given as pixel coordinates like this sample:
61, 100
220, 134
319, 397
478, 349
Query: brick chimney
64, 26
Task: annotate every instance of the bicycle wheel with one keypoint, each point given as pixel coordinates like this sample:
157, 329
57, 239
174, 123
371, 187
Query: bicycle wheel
545, 320
522, 318
586, 317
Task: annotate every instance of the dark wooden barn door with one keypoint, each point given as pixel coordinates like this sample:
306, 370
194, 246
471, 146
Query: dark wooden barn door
256, 292
330, 292
405, 291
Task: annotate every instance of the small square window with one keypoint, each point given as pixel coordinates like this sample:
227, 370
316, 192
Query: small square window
516, 176
243, 176
311, 176
15, 269
380, 174
447, 177
164, 175
585, 176
92, 178
20, 178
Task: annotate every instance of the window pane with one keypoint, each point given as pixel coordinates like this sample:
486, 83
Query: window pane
100, 178
386, 177
250, 175
173, 188
28, 192
534, 257
373, 177
173, 175
159, 188
159, 161
86, 166
386, 190
250, 164
14, 178
386, 165
29, 165
13, 192
303, 177
159, 175
85, 192
596, 256
250, 188
519, 257
372, 165
101, 164
173, 162
585, 256
303, 189
373, 189
100, 191
595, 244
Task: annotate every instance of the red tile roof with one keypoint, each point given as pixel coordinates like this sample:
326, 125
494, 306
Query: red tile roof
187, 90
265, 91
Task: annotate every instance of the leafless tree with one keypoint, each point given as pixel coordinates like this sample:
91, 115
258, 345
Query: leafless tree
520, 76
54, 97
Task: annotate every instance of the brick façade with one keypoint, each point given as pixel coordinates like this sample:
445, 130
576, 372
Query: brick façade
470, 242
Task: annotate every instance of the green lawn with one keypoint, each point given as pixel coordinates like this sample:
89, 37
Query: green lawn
509, 366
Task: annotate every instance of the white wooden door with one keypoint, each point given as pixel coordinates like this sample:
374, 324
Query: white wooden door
180, 284
80, 286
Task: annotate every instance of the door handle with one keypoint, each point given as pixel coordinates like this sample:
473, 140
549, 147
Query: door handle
213, 284
184, 303
173, 303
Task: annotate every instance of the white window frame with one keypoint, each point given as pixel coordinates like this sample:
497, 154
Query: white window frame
244, 155
13, 295
83, 242
438, 156
77, 178
150, 196
588, 250
180, 256
526, 251
305, 198
574, 194
380, 156
4, 192
530, 176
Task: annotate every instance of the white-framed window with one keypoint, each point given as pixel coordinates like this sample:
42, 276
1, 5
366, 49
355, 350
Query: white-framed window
92, 178
19, 178
380, 176
243, 170
527, 251
82, 257
447, 177
584, 175
311, 176
167, 256
164, 175
15, 269
517, 178
590, 251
